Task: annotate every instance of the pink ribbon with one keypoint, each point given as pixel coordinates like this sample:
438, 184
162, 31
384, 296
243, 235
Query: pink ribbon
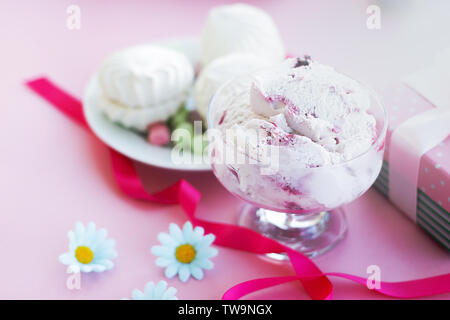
314, 281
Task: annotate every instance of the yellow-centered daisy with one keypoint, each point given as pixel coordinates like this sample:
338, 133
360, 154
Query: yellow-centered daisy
89, 250
185, 251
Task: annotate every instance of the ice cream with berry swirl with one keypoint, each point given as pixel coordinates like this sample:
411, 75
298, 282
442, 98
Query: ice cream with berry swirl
317, 123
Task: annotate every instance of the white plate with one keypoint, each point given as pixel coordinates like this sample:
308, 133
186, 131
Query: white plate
129, 142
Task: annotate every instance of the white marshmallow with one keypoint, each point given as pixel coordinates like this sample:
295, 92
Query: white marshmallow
143, 84
240, 28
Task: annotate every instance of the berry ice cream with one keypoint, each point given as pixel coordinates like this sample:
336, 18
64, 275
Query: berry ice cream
310, 124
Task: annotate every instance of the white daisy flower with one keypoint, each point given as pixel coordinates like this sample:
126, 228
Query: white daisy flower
185, 252
152, 292
89, 250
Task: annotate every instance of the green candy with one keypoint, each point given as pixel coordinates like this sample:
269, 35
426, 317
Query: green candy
179, 117
186, 126
194, 143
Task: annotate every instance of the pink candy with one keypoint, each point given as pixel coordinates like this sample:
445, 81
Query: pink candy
158, 134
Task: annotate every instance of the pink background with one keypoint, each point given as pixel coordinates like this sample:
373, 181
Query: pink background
54, 174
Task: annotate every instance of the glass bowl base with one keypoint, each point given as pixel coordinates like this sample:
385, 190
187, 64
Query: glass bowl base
310, 234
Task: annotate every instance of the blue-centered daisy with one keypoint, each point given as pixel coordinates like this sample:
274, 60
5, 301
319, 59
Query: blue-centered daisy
185, 252
89, 250
155, 292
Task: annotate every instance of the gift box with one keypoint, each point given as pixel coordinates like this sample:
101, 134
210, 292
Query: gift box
416, 170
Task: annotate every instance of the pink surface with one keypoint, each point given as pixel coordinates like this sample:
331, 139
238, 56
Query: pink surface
53, 173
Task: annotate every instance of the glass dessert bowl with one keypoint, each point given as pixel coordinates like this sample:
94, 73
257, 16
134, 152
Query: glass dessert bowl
293, 188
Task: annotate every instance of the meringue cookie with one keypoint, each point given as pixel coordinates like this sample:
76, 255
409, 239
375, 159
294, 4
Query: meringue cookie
219, 71
143, 84
240, 28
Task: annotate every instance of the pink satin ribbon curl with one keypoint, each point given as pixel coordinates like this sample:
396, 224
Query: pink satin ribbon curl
314, 281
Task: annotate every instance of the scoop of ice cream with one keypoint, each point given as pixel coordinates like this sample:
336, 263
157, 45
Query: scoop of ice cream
143, 84
240, 28
219, 71
315, 101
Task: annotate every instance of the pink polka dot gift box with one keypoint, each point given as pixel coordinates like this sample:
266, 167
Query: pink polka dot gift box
416, 169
